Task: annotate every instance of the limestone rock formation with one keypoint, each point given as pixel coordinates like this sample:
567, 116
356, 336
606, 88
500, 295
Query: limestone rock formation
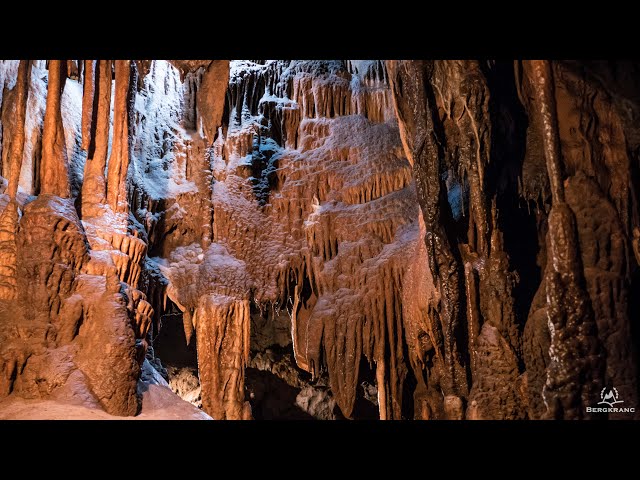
551, 364
318, 239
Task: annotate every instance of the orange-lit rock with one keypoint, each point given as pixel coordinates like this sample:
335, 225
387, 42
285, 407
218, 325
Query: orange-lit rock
449, 239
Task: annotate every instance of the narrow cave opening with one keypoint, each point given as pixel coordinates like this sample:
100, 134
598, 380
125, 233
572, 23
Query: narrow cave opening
366, 404
179, 360
275, 387
170, 343
409, 387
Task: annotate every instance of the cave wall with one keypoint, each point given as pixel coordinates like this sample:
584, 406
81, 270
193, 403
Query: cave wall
428, 239
313, 208
575, 179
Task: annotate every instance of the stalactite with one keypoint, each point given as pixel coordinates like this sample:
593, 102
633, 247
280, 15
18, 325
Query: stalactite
17, 144
452, 132
89, 106
222, 335
10, 216
208, 102
357, 182
126, 80
415, 108
94, 185
54, 167
73, 70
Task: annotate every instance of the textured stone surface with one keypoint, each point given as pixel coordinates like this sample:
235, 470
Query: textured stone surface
446, 111
448, 239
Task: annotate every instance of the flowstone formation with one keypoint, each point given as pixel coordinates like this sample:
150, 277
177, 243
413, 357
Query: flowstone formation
313, 209
318, 239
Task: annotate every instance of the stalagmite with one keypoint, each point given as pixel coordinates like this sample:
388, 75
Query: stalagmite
575, 374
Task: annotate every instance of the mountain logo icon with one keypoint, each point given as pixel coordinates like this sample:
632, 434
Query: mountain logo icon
610, 397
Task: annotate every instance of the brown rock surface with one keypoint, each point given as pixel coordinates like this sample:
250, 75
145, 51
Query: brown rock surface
125, 73
66, 318
448, 239
445, 116
17, 138
54, 170
94, 184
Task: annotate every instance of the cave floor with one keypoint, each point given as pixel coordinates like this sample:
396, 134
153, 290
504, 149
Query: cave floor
158, 403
